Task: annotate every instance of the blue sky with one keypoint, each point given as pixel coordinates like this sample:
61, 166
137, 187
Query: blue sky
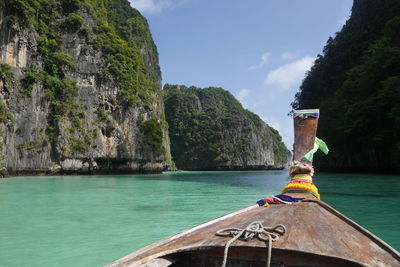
259, 50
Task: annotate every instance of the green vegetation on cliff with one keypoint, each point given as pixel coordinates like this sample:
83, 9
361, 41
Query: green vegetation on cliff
90, 69
356, 84
209, 129
152, 135
7, 79
119, 32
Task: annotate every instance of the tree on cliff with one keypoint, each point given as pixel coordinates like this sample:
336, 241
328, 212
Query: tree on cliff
356, 84
209, 129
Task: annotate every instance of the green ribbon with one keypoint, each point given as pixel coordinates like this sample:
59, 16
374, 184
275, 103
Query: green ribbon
318, 144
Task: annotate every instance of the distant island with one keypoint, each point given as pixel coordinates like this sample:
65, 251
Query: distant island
210, 130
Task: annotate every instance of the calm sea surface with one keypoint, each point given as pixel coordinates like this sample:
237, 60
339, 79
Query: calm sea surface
93, 220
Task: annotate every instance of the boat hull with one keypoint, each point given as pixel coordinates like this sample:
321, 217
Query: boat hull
317, 235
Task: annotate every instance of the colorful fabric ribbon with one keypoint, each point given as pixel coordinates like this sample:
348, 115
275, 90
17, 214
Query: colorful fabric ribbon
301, 168
301, 185
302, 181
302, 177
277, 199
305, 113
318, 144
302, 191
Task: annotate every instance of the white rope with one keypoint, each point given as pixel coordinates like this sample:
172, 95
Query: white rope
280, 200
254, 229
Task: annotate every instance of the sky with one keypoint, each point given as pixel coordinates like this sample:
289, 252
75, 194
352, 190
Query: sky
259, 50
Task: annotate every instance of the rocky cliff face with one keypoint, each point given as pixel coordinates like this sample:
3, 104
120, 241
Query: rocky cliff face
355, 83
210, 130
79, 89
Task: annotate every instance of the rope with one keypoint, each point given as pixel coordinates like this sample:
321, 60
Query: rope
254, 229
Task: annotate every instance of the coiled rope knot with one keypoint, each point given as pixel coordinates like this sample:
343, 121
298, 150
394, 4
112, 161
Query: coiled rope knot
254, 229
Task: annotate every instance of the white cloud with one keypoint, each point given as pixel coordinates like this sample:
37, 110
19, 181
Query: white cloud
242, 96
263, 61
146, 6
284, 125
155, 6
342, 21
272, 121
288, 56
290, 74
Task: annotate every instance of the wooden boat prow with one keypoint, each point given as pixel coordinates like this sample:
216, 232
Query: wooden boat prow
317, 235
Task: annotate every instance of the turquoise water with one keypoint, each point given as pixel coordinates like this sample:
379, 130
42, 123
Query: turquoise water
93, 220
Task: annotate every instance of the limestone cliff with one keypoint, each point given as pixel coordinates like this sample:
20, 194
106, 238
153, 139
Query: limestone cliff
356, 85
210, 130
79, 89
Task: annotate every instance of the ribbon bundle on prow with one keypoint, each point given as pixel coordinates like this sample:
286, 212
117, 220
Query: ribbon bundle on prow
305, 145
